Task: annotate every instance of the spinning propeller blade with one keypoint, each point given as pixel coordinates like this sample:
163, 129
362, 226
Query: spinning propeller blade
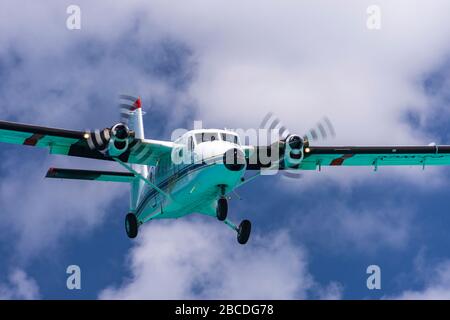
127, 105
271, 122
98, 139
323, 130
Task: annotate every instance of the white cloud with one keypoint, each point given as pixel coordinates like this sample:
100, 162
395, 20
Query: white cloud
343, 227
196, 260
304, 60
436, 286
36, 211
333, 291
300, 59
19, 286
54, 77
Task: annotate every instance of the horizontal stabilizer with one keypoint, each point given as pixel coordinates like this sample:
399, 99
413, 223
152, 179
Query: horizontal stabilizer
76, 174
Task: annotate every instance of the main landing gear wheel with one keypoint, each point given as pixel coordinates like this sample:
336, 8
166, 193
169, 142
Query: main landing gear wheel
222, 209
243, 232
131, 225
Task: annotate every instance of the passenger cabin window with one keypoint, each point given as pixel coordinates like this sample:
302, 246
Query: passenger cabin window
206, 137
230, 138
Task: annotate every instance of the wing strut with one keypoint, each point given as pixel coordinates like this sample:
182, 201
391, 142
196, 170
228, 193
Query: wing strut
140, 176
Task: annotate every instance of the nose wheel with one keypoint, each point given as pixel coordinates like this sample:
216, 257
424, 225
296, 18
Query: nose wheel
222, 209
131, 225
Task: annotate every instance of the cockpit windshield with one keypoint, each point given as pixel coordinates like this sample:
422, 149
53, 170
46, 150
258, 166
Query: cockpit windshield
209, 136
206, 137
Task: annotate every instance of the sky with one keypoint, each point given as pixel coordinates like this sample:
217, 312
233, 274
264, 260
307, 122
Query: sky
228, 63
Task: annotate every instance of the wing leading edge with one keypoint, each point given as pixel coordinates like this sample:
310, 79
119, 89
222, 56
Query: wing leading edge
315, 157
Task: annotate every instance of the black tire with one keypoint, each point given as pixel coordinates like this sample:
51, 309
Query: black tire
244, 231
222, 209
131, 225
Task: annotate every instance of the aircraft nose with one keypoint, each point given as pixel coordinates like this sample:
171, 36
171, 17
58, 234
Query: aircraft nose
234, 159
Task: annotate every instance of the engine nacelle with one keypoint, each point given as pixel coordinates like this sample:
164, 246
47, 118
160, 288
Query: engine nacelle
120, 132
293, 152
120, 135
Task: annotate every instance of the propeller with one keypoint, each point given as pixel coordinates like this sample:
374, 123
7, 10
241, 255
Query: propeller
128, 104
321, 131
99, 139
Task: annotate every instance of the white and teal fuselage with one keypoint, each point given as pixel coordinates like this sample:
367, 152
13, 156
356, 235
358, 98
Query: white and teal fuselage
193, 186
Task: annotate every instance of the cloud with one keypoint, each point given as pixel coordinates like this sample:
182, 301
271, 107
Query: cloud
19, 286
358, 227
303, 60
436, 286
53, 210
333, 291
71, 80
228, 69
237, 61
197, 260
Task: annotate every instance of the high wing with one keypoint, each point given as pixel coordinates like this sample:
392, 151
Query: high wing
315, 157
74, 143
375, 156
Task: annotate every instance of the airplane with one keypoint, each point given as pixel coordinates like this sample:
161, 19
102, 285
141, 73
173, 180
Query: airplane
198, 171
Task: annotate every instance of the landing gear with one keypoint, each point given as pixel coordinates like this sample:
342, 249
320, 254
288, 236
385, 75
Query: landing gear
131, 225
243, 232
222, 204
245, 227
222, 209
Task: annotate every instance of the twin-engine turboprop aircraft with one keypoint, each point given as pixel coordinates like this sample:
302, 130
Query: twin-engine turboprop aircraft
196, 172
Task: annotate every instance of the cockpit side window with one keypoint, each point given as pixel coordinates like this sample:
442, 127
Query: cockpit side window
230, 138
190, 143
